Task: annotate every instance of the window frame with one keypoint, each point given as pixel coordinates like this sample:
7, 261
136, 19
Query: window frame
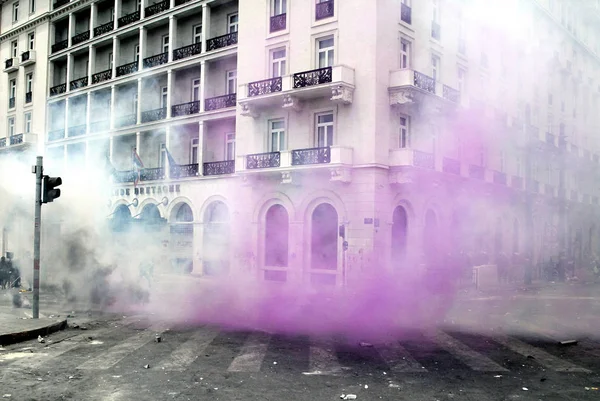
194, 145
12, 88
231, 76
136, 53
32, 6
135, 103
318, 125
281, 62
436, 67
318, 50
282, 7
165, 43
405, 55
164, 95
14, 47
233, 24
15, 12
162, 155
229, 141
31, 41
11, 126
28, 120
196, 35
195, 85
280, 132
110, 61
403, 132
29, 82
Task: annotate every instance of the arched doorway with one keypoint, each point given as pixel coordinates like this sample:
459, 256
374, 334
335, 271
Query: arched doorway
324, 245
399, 236
215, 247
182, 239
276, 243
430, 238
121, 220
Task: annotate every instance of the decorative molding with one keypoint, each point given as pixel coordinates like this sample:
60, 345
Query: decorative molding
292, 103
249, 110
342, 94
402, 96
341, 174
399, 177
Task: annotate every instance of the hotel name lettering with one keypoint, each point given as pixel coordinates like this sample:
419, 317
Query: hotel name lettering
154, 190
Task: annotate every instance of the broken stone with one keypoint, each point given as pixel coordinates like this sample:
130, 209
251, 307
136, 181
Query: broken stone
158, 338
568, 342
146, 366
41, 340
525, 389
75, 326
348, 396
83, 328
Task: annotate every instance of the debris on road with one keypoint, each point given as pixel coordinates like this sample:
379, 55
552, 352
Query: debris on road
525, 389
365, 344
6, 396
146, 366
591, 388
497, 376
158, 338
41, 340
348, 396
568, 342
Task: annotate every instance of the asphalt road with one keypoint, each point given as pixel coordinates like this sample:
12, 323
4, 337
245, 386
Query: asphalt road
489, 348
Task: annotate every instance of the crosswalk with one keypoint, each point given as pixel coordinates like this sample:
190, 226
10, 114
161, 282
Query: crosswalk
114, 348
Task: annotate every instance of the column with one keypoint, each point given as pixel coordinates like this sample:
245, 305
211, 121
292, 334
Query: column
88, 113
66, 117
172, 36
88, 163
91, 63
167, 144
69, 71
205, 25
200, 146
113, 101
111, 142
93, 18
116, 50
169, 91
202, 81
139, 102
71, 30
117, 12
138, 143
171, 3
142, 9
142, 42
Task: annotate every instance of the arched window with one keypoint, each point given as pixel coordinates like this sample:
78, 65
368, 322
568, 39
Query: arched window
276, 236
399, 235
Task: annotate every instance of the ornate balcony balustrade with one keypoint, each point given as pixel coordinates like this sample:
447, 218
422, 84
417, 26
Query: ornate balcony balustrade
312, 77
58, 46
79, 38
477, 172
278, 22
78, 83
77, 130
127, 69
154, 115
301, 157
222, 41
406, 13
533, 186
8, 63
124, 176
548, 189
101, 76
324, 10
25, 56
180, 2
219, 168
156, 8
125, 121
152, 174
451, 94
220, 102
99, 126
16, 139
184, 170
129, 19
185, 109
156, 60
60, 3
264, 87
424, 82
104, 28
11, 103
435, 30
499, 178
516, 182
451, 166
263, 160
56, 134
2, 142
187, 51
423, 159
28, 97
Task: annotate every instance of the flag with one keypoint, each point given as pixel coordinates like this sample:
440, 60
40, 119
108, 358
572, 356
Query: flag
170, 158
137, 166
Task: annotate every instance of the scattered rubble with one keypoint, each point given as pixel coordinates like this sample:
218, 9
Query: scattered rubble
525, 389
158, 338
146, 366
348, 396
41, 340
568, 342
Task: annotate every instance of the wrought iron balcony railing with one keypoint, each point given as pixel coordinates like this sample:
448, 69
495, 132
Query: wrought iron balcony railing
499, 178
25, 56
187, 51
406, 13
8, 63
435, 30
58, 89
11, 103
324, 10
313, 77
184, 170
185, 109
180, 2
104, 28
156, 8
127, 69
278, 22
222, 41
124, 176
301, 157
59, 3
156, 60
77, 130
129, 19
154, 115
264, 87
263, 160
101, 76
56, 134
125, 121
477, 172
99, 126
58, 46
152, 174
2, 142
451, 166
423, 159
79, 38
16, 139
451, 94
219, 168
220, 102
28, 97
78, 83
424, 82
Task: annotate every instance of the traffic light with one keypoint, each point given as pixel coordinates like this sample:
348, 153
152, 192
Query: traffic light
50, 192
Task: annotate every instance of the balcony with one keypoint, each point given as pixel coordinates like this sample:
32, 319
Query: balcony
451, 94
156, 8
104, 28
58, 46
58, 89
435, 30
154, 115
27, 58
59, 3
185, 109
78, 83
127, 69
516, 182
152, 174
187, 51
324, 9
412, 157
10, 65
80, 38
263, 160
477, 172
99, 126
220, 102
101, 76
56, 134
28, 97
451, 166
184, 170
181, 2
124, 176
11, 103
499, 178
219, 168
297, 157
16, 140
156, 60
222, 41
278, 22
408, 88
128, 19
126, 121
303, 157
406, 13
77, 130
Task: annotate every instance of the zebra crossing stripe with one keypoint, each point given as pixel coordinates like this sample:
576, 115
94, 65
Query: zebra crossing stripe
399, 360
252, 354
469, 357
323, 360
188, 352
542, 357
116, 353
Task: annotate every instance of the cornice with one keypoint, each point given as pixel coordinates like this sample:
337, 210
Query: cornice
25, 27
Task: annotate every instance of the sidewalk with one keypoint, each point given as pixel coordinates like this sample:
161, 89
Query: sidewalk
535, 288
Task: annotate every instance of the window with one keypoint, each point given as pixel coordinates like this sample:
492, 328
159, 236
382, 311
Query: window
31, 6
194, 151
31, 40
110, 61
435, 67
197, 33
550, 98
277, 135
165, 44
436, 11
15, 11
14, 45
28, 122
139, 5
404, 53
518, 167
13, 89
163, 97
29, 82
278, 62
279, 7
404, 140
11, 126
162, 155
195, 90
325, 52
135, 103
324, 129
461, 80
136, 53
231, 82
230, 146
502, 162
112, 13
232, 21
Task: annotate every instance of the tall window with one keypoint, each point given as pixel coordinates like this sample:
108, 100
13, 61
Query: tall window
436, 11
162, 155
165, 44
230, 146
28, 122
518, 167
135, 103
112, 13
13, 89
11, 126
196, 90
325, 52
277, 135
404, 53
231, 82
29, 83
31, 40
194, 151
14, 46
324, 129
163, 96
502, 162
136, 53
110, 61
197, 33
15, 11
461, 80
31, 6
279, 7
278, 62
232, 21
404, 139
435, 67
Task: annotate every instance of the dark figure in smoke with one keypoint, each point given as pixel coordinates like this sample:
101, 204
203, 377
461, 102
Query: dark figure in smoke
502, 264
147, 271
15, 276
4, 275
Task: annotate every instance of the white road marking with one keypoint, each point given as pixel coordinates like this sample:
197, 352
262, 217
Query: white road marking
399, 360
323, 360
188, 352
252, 354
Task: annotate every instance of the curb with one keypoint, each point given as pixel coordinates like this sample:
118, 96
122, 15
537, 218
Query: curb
13, 338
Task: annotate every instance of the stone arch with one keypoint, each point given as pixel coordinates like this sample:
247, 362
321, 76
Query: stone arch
175, 204
269, 200
181, 236
324, 244
216, 238
276, 243
400, 232
210, 200
309, 203
121, 218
